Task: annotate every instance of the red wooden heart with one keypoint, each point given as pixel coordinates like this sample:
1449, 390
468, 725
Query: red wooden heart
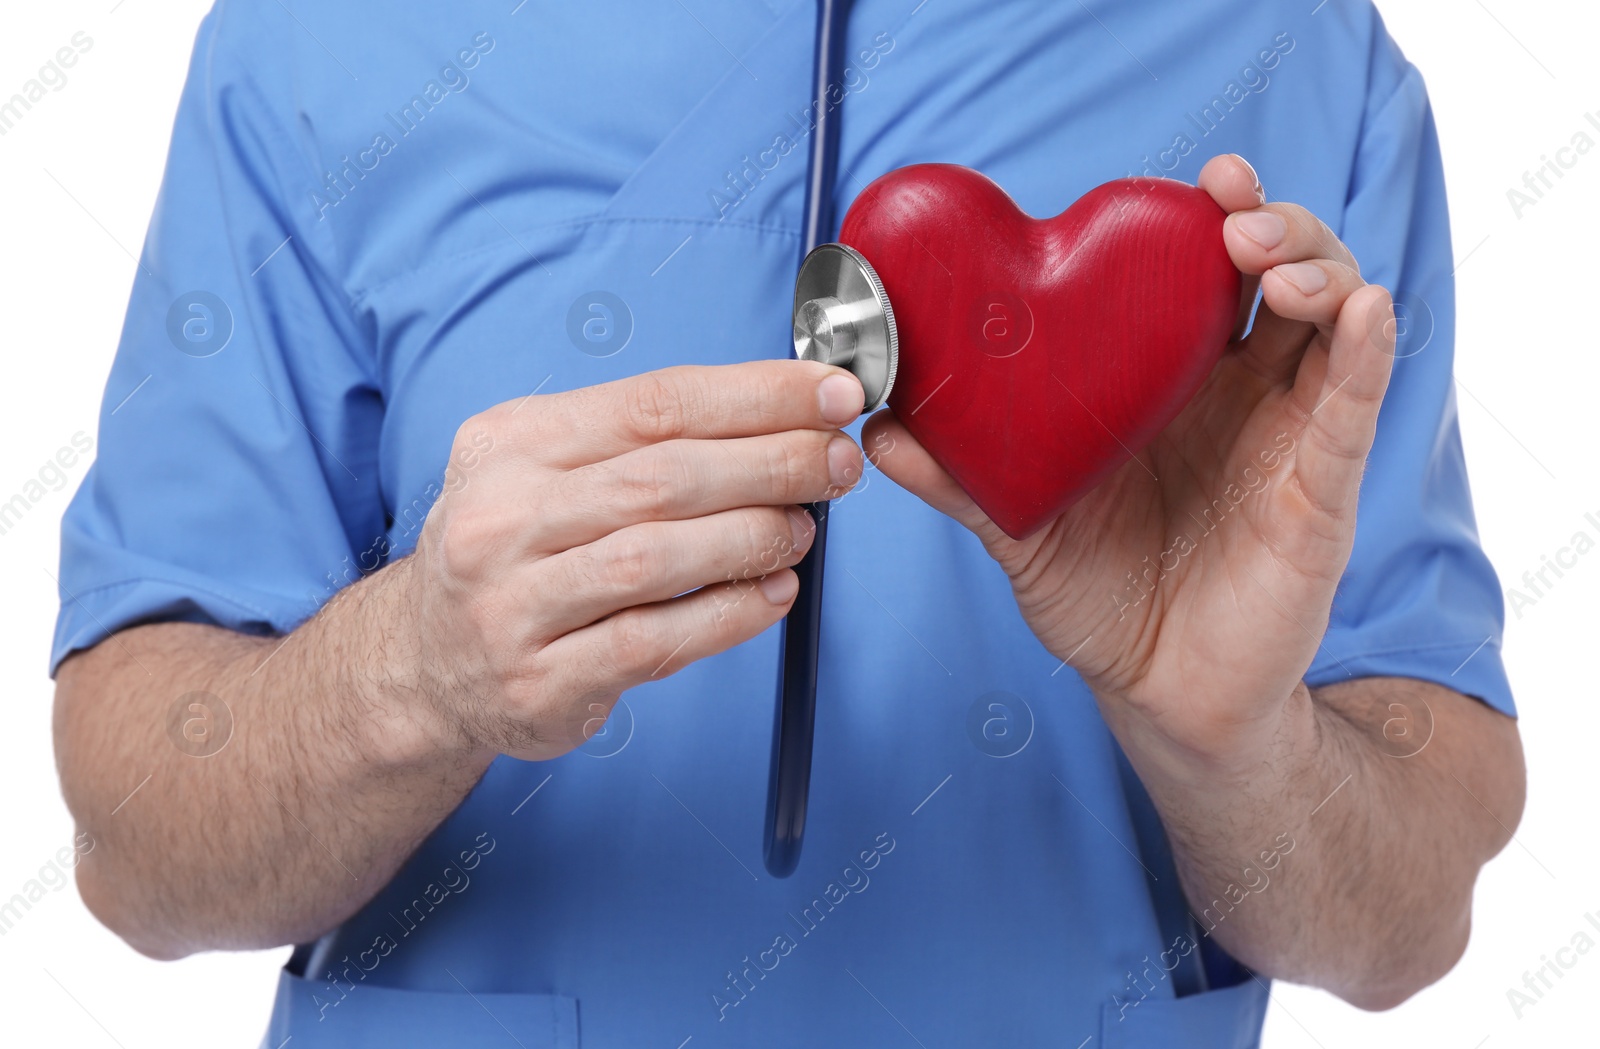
1038, 355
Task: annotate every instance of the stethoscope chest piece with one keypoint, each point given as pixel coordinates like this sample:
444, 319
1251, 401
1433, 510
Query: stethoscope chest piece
842, 317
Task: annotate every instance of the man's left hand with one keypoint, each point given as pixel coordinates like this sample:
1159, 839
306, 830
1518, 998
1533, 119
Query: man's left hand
1191, 590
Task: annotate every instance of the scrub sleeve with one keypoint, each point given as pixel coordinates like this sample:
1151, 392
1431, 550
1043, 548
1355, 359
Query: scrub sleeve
1419, 598
237, 465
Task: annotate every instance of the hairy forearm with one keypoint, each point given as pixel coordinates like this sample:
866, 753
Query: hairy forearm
1346, 857
323, 787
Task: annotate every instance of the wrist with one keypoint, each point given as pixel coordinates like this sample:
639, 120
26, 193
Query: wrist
1228, 752
394, 704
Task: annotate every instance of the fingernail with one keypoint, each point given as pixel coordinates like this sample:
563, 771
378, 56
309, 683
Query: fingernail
801, 526
840, 398
1261, 194
1264, 227
780, 587
842, 468
1307, 277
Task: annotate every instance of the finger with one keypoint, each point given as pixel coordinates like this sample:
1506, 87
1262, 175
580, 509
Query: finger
1344, 418
594, 423
1273, 234
657, 560
1234, 185
1298, 299
648, 642
903, 459
683, 479
1313, 292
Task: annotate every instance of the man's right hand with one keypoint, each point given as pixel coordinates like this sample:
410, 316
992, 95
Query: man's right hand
586, 542
613, 535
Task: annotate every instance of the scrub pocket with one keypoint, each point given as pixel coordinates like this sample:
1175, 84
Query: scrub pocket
1229, 1018
372, 1017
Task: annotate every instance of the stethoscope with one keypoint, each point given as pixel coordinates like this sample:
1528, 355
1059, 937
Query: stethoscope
842, 317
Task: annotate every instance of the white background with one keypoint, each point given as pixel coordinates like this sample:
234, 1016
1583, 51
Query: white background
78, 177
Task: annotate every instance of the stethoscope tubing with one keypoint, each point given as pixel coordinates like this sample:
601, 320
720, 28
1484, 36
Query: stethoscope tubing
794, 721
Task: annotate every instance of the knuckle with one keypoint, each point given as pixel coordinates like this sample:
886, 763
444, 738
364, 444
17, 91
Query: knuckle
465, 543
1320, 235
780, 533
484, 421
734, 607
801, 463
746, 569
770, 541
629, 562
653, 407
1301, 228
652, 479
475, 439
725, 600
496, 419
1297, 216
852, 473
631, 638
526, 686
775, 386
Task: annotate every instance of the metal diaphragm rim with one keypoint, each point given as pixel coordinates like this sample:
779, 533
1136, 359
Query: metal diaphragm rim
851, 315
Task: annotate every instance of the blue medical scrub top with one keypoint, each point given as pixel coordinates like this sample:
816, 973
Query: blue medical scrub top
377, 221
